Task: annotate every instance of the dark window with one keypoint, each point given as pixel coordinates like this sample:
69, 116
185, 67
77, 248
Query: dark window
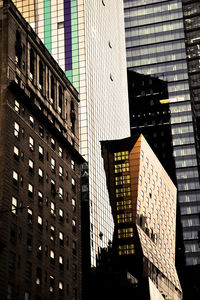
30, 190
74, 271
13, 233
30, 216
53, 187
73, 185
29, 242
31, 121
39, 249
51, 284
40, 198
60, 100
52, 257
41, 153
12, 262
18, 48
16, 129
41, 75
53, 144
10, 292
72, 116
28, 272
40, 174
52, 233
52, 89
73, 225
31, 143
38, 276
41, 131
32, 64
74, 294
74, 248
31, 166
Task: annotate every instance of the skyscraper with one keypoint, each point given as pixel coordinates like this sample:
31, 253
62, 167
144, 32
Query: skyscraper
143, 200
40, 203
155, 45
87, 39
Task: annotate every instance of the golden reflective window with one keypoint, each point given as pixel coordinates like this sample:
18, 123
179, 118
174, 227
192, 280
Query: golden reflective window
125, 204
121, 155
121, 180
126, 249
125, 233
119, 168
123, 192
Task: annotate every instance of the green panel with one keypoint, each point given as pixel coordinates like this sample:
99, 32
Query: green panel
47, 24
69, 75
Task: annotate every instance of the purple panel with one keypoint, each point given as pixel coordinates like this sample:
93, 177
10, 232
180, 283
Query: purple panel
68, 35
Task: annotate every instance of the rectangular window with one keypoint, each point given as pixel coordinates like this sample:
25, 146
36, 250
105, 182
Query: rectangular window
61, 215
73, 205
40, 198
60, 193
60, 151
51, 284
15, 178
30, 216
40, 174
38, 276
16, 153
17, 106
31, 166
73, 225
14, 205
30, 190
61, 262
40, 222
72, 164
74, 248
61, 238
60, 172
52, 256
53, 209
53, 186
12, 262
52, 233
61, 288
73, 185
16, 129
31, 143
31, 121
41, 153
41, 131
53, 144
28, 271
53, 165
29, 242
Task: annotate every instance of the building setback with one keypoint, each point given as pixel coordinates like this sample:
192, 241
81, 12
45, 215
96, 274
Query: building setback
87, 40
143, 200
155, 45
40, 243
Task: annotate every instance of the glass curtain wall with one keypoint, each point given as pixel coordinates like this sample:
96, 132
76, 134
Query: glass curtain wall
155, 45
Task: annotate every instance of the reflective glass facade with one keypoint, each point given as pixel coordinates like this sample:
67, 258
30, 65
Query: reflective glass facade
87, 39
156, 46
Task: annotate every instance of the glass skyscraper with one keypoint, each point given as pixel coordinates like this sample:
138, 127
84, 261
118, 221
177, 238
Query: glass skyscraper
155, 45
87, 39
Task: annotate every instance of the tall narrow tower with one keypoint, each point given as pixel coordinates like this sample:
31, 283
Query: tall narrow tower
87, 40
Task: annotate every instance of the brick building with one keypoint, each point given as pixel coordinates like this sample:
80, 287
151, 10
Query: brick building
40, 244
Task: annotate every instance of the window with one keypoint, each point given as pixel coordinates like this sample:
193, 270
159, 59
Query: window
31, 166
30, 216
17, 106
52, 90
60, 99
52, 232
73, 225
10, 292
121, 155
74, 294
74, 248
61, 238
30, 190
73, 205
51, 284
27, 296
74, 271
61, 215
38, 276
72, 164
40, 198
41, 131
61, 262
31, 121
53, 209
53, 144
12, 262
15, 178
29, 242
28, 271
53, 186
61, 288
39, 249
60, 151
41, 153
53, 165
32, 64
60, 170
13, 233
41, 79
14, 205
16, 129
40, 174
60, 193
140, 180
73, 185
40, 221
31, 143
52, 256
16, 153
